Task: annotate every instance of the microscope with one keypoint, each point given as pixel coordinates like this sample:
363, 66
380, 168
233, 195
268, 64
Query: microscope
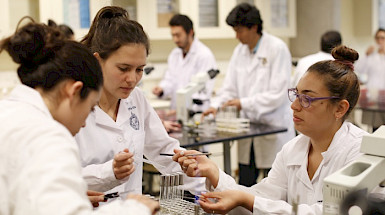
364, 174
183, 96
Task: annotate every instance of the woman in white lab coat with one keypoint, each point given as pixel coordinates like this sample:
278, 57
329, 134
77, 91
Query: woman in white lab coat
39, 168
322, 100
124, 126
370, 68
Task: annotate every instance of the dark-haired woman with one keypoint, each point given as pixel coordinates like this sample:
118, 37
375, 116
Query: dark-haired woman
322, 100
124, 126
63, 28
39, 158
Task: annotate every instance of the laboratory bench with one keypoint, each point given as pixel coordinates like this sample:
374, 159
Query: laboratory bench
191, 139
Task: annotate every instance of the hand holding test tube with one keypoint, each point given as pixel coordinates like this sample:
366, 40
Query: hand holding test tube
197, 166
123, 164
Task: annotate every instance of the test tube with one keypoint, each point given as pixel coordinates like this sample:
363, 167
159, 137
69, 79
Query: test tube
172, 186
180, 186
233, 112
162, 188
167, 187
176, 186
196, 209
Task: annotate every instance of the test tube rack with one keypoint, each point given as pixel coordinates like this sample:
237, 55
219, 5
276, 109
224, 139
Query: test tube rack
171, 197
180, 207
232, 125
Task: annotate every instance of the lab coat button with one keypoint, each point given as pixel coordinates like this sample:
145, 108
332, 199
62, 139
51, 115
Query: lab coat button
120, 139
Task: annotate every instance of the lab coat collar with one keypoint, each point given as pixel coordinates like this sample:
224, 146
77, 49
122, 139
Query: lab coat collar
124, 113
335, 145
300, 151
262, 51
303, 175
102, 118
193, 49
194, 46
29, 95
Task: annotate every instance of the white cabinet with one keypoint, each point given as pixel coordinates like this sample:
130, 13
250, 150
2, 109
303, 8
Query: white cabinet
279, 17
155, 20
208, 16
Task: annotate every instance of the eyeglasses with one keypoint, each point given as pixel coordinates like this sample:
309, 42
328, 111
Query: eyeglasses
305, 100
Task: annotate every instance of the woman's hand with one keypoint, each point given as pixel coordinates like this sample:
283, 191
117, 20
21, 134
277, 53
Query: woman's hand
151, 204
197, 166
123, 164
95, 197
211, 110
233, 102
223, 202
171, 126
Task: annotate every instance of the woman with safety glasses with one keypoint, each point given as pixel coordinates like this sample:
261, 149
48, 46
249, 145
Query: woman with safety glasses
322, 100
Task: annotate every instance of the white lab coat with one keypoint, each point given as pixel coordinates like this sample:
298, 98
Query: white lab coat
40, 171
137, 128
181, 69
260, 81
371, 70
305, 62
289, 178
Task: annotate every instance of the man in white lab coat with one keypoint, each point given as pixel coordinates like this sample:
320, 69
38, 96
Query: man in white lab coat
256, 83
189, 58
329, 40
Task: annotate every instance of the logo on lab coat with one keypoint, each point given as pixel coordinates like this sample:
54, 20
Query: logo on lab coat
134, 122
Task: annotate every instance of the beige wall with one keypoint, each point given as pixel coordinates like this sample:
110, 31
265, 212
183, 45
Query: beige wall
356, 24
312, 23
222, 48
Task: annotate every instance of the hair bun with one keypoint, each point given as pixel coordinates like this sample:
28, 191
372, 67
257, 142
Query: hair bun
344, 53
33, 44
112, 11
51, 23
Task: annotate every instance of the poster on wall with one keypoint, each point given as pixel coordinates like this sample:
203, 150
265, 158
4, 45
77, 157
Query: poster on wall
280, 13
77, 13
381, 14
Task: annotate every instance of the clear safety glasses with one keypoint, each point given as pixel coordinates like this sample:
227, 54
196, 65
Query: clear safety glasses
305, 100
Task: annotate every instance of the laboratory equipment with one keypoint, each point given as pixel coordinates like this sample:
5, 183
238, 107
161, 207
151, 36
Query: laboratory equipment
227, 120
183, 96
148, 69
190, 155
367, 172
359, 202
171, 197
